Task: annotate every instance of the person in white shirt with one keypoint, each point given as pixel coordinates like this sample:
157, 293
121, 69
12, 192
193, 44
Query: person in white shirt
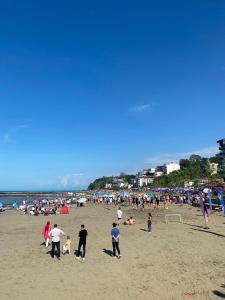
119, 215
55, 234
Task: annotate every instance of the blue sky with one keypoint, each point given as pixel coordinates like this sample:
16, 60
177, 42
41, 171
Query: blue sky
92, 88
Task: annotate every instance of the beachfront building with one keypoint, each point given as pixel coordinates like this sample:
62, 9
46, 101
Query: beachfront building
213, 168
108, 186
147, 172
144, 180
171, 167
188, 183
133, 181
221, 155
159, 171
118, 183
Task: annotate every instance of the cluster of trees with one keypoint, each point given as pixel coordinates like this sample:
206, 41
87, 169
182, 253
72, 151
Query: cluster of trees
100, 183
190, 170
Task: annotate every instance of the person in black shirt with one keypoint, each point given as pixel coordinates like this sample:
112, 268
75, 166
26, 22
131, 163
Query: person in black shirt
82, 242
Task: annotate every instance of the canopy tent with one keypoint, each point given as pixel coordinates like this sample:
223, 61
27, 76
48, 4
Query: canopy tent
64, 210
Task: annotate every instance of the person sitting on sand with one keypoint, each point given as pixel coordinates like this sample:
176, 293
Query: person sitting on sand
127, 222
132, 221
67, 246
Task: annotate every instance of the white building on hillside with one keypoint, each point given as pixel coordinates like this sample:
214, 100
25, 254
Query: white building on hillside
118, 183
144, 180
171, 167
108, 186
213, 168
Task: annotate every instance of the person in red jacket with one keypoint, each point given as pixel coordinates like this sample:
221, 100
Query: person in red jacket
45, 232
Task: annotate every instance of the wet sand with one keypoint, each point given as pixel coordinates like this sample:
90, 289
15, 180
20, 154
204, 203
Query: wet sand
173, 259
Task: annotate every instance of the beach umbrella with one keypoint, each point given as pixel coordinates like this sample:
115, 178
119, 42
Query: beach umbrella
206, 190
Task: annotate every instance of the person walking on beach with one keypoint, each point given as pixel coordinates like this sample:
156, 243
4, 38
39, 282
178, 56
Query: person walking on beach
206, 215
119, 215
55, 235
115, 233
45, 232
149, 222
82, 242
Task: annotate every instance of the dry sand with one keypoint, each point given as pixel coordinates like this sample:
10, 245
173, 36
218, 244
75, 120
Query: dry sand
174, 259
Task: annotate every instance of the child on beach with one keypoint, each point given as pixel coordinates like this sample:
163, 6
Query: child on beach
45, 233
149, 222
67, 246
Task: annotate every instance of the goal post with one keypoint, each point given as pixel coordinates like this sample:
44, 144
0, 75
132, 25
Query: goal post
173, 218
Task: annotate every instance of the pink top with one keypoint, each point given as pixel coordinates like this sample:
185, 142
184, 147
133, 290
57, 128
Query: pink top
46, 230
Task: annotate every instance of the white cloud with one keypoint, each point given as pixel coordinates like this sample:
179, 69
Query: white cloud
71, 180
8, 135
141, 108
175, 157
77, 174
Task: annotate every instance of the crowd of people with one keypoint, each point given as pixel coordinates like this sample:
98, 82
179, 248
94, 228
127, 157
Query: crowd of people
142, 201
44, 207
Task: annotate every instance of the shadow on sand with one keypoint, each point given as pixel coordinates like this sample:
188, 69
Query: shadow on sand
49, 252
108, 252
210, 232
218, 293
198, 226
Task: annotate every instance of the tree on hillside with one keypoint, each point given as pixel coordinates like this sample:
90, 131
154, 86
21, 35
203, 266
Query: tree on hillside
194, 158
184, 163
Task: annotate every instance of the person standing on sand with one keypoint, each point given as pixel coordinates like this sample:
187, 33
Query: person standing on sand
149, 222
82, 242
206, 215
55, 235
45, 232
115, 233
119, 215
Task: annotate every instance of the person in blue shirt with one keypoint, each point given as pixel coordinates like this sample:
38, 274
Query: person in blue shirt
115, 233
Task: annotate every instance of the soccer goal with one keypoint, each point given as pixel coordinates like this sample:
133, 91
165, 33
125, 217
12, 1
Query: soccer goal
173, 218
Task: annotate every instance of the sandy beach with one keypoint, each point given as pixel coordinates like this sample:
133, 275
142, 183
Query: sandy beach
174, 259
